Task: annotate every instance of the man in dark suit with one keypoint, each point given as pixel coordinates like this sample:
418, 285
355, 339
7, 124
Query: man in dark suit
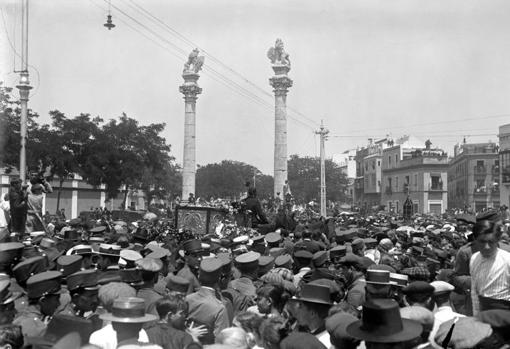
253, 204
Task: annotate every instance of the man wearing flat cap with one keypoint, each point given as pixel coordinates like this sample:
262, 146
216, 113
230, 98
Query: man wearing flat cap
43, 291
419, 293
190, 262
352, 270
150, 272
444, 311
83, 287
205, 306
243, 289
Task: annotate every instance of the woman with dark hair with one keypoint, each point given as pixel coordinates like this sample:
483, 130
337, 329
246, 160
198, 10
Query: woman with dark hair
272, 331
271, 300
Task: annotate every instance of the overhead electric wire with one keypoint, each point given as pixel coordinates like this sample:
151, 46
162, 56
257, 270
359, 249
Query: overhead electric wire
34, 91
157, 20
437, 122
212, 72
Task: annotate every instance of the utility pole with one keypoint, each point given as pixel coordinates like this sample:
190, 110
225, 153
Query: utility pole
24, 89
323, 132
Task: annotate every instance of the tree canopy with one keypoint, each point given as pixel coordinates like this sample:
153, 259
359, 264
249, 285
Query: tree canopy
228, 179
116, 153
304, 179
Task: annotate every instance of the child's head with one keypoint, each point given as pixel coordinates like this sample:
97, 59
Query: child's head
174, 309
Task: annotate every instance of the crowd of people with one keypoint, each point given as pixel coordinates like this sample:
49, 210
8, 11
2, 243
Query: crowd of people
289, 282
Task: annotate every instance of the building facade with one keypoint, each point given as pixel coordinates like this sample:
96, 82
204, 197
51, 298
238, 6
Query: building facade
77, 196
474, 177
419, 174
504, 161
359, 190
347, 164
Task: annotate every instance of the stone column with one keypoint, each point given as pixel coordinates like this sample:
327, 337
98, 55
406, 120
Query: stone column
190, 90
280, 83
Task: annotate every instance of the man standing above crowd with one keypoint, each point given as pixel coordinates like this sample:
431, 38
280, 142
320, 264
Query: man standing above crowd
253, 204
18, 206
490, 270
35, 202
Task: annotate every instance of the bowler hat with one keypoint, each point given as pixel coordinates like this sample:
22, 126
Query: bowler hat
315, 294
381, 323
128, 310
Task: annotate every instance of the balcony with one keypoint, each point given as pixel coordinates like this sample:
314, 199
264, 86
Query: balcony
480, 170
436, 187
480, 190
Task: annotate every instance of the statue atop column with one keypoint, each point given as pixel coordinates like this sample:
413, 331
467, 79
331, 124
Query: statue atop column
277, 54
194, 63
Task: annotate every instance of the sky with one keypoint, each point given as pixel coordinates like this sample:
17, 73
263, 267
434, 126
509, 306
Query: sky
436, 69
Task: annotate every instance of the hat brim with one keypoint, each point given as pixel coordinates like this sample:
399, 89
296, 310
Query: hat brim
410, 330
130, 320
312, 300
11, 297
389, 283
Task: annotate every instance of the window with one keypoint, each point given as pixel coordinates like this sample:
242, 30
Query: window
396, 183
389, 160
416, 180
505, 166
479, 163
435, 182
396, 158
480, 185
373, 165
378, 163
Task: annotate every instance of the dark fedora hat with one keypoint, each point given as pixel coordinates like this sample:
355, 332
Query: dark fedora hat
381, 323
128, 310
315, 294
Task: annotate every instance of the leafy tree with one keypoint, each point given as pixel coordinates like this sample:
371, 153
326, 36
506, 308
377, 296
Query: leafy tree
304, 179
228, 179
10, 120
124, 153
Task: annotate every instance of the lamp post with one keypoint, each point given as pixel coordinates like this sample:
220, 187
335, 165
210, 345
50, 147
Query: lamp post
24, 89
